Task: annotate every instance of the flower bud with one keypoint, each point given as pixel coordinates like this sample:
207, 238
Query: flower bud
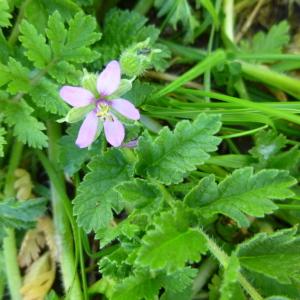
136, 59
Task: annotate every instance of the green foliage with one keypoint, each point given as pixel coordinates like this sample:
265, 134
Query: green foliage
2, 140
4, 14
271, 42
30, 38
96, 195
275, 255
20, 214
178, 11
172, 154
172, 243
140, 194
134, 30
136, 287
241, 193
16, 114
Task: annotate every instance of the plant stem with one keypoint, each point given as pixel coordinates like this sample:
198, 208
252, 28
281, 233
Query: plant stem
143, 6
9, 242
15, 32
223, 259
272, 78
62, 214
206, 270
214, 59
229, 19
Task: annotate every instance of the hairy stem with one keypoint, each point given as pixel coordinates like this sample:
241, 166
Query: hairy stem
10, 252
62, 215
223, 259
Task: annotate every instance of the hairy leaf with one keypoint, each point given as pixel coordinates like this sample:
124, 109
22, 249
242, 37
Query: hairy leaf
26, 127
4, 14
172, 154
20, 214
172, 243
276, 255
96, 195
241, 193
271, 42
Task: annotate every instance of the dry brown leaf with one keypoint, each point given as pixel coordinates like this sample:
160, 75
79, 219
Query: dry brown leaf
31, 246
23, 184
39, 278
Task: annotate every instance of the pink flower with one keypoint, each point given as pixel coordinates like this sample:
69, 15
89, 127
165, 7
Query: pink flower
107, 83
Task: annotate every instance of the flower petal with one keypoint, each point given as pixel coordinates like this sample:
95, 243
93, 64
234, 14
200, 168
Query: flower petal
87, 131
114, 132
109, 79
76, 96
125, 108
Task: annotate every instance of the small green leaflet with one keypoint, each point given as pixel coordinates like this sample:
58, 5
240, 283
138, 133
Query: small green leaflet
4, 14
178, 11
271, 42
241, 193
267, 144
19, 113
20, 215
140, 194
16, 75
172, 154
172, 243
96, 195
73, 45
44, 94
40, 55
276, 255
137, 287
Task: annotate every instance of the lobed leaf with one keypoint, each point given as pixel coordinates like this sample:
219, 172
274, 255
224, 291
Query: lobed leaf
96, 195
241, 193
276, 255
170, 156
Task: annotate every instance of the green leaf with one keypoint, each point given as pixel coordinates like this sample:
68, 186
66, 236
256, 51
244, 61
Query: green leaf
64, 72
140, 92
37, 50
276, 255
45, 94
140, 194
137, 287
172, 154
209, 6
16, 75
20, 215
267, 144
96, 195
241, 193
25, 127
134, 30
172, 243
2, 141
178, 11
73, 45
271, 42
4, 14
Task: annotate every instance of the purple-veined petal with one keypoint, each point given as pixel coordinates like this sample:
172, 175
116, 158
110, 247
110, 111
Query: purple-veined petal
76, 96
109, 79
125, 108
88, 130
114, 132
